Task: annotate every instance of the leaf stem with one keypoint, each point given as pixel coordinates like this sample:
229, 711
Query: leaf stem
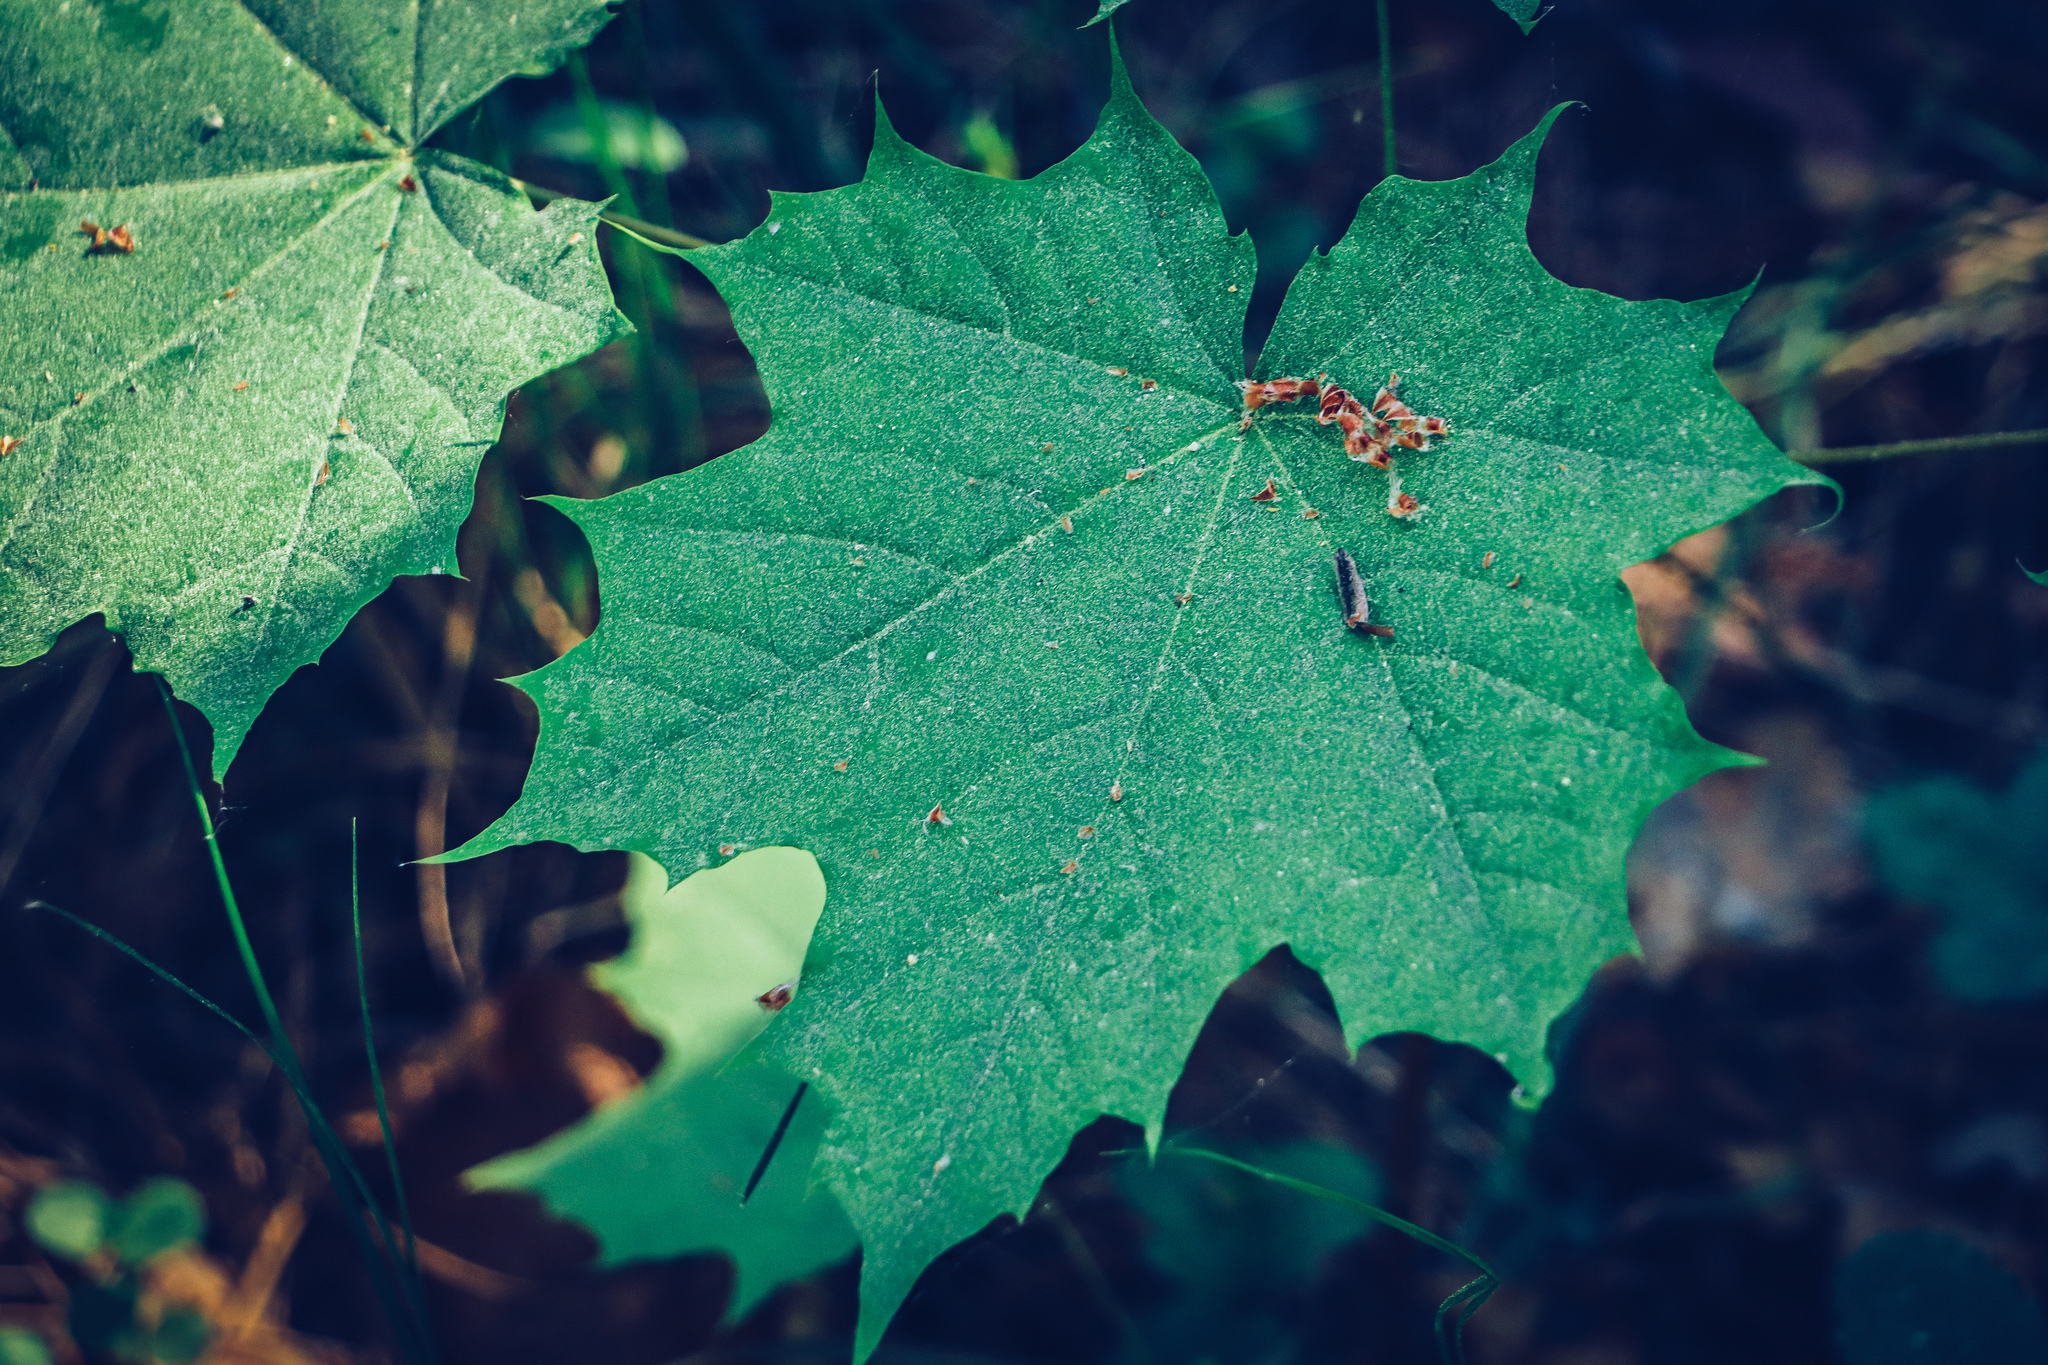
1943, 445
652, 233
1387, 85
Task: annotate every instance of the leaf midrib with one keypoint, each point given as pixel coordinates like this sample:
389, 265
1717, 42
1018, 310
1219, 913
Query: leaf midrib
953, 586
355, 353
327, 77
975, 328
1041, 930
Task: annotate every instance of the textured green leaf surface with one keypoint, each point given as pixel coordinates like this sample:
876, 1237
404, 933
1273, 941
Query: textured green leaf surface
1159, 749
1976, 855
236, 435
661, 1172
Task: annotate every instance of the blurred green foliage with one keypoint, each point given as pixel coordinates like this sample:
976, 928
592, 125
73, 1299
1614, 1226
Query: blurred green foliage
1977, 856
113, 1242
1923, 1297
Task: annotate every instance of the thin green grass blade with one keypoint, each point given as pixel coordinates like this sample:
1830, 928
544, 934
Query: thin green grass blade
644, 279
324, 1137
355, 902
397, 1294
595, 124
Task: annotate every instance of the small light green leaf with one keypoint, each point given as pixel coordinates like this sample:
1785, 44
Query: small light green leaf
161, 1215
992, 623
2041, 577
661, 1173
1924, 1297
705, 950
236, 434
634, 138
19, 1346
1977, 856
1104, 9
70, 1218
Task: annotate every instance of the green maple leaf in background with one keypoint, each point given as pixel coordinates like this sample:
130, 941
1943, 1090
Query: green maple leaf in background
238, 433
1976, 855
1156, 748
661, 1172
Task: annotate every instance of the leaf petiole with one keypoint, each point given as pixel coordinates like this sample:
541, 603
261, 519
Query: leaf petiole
646, 233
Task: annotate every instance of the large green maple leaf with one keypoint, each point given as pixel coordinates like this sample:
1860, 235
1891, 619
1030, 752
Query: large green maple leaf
234, 435
1156, 748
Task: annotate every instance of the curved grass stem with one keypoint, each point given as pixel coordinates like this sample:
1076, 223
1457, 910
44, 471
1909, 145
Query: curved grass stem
1456, 1309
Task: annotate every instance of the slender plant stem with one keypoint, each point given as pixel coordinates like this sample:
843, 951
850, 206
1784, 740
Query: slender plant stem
1943, 445
652, 233
355, 901
1372, 1211
1387, 85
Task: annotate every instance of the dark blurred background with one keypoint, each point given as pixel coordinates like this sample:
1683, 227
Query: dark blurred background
1777, 1080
